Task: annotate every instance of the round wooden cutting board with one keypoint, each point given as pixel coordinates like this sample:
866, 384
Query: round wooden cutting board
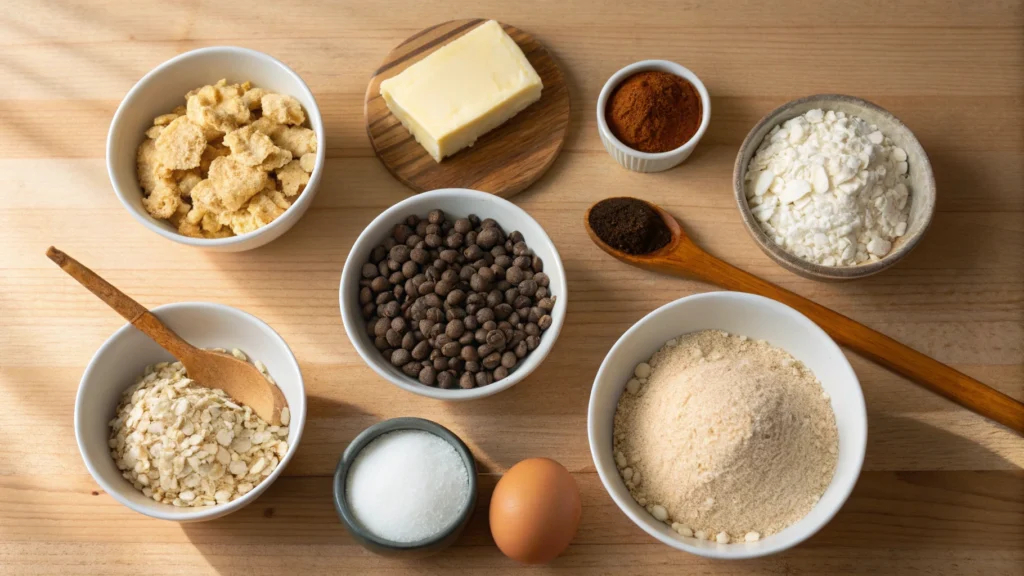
505, 160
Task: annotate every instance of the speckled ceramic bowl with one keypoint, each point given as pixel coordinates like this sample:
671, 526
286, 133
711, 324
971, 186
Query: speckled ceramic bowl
921, 184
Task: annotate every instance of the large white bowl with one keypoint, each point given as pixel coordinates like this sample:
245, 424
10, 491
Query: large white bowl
163, 88
123, 358
755, 317
459, 203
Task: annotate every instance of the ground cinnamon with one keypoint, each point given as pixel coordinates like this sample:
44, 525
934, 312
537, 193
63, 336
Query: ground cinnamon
654, 111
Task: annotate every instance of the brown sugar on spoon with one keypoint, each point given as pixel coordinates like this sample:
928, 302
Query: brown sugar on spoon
654, 111
629, 225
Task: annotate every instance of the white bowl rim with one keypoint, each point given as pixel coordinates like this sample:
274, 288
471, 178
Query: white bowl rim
664, 66
844, 484
315, 121
372, 357
184, 514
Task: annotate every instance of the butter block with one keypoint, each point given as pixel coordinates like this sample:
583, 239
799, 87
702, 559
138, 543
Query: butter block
463, 90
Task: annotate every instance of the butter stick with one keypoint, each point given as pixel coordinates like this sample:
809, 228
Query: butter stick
463, 90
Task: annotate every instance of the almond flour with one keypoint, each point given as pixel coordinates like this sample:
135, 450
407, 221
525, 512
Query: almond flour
725, 438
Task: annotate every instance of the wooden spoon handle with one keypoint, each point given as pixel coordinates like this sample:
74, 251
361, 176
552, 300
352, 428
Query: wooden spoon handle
899, 358
133, 312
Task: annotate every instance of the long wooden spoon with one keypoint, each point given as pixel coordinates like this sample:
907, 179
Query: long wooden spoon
241, 380
682, 257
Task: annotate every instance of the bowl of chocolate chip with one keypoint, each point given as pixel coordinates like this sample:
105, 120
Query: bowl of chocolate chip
453, 294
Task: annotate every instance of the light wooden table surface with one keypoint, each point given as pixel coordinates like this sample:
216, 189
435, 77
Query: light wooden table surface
942, 490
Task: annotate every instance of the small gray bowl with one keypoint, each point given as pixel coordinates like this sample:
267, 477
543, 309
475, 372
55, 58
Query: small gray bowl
921, 184
371, 542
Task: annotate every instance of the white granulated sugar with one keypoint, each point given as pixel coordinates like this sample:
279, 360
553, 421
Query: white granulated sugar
829, 188
729, 439
407, 485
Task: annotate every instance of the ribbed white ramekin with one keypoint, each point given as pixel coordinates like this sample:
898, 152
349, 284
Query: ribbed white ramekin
644, 161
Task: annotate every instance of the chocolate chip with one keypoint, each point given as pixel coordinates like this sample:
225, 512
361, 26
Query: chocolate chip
491, 361
445, 380
380, 284
400, 253
421, 351
496, 339
522, 349
409, 341
483, 378
545, 322
427, 375
400, 357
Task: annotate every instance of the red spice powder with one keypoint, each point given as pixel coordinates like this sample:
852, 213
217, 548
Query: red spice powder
654, 111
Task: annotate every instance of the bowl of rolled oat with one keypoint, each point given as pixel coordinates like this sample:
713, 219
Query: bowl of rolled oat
170, 449
220, 148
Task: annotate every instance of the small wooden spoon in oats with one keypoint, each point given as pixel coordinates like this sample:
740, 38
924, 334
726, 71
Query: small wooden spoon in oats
240, 379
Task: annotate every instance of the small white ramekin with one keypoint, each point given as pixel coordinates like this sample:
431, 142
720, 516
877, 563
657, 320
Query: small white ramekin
162, 89
645, 161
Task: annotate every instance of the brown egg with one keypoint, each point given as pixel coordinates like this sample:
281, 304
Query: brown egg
535, 510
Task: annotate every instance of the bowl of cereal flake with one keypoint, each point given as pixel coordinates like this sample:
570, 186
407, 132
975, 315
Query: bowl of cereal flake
727, 425
220, 148
173, 450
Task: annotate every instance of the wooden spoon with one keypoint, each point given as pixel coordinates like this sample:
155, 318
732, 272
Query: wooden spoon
241, 380
682, 257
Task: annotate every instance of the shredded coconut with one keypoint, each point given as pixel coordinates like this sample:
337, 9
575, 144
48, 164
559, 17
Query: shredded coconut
727, 439
830, 188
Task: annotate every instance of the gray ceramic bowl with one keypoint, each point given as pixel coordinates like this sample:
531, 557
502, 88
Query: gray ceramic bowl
379, 545
921, 184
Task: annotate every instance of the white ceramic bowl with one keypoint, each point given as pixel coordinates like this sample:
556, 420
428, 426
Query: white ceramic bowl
645, 161
123, 358
756, 317
163, 88
457, 202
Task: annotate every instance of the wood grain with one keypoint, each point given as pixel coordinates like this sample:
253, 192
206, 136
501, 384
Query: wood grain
942, 489
505, 160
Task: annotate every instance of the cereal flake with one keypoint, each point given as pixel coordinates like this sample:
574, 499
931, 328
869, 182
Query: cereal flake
180, 145
283, 109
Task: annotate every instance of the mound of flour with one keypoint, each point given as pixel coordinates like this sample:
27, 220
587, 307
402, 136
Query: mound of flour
726, 438
830, 188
